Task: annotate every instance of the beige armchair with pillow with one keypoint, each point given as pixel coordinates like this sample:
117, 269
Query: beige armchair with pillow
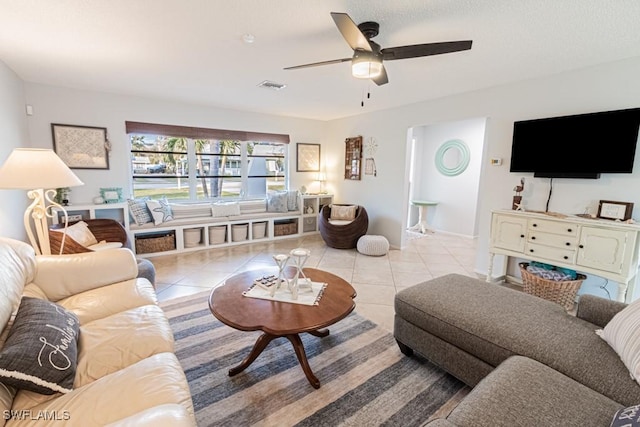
342, 225
84, 343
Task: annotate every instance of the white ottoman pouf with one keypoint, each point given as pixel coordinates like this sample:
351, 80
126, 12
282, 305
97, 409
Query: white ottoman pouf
373, 245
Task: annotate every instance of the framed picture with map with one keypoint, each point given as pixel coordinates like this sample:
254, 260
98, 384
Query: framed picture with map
81, 147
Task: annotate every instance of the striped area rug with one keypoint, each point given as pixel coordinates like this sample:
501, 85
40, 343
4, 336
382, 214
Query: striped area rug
365, 380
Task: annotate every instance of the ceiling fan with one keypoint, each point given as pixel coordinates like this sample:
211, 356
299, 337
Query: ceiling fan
366, 62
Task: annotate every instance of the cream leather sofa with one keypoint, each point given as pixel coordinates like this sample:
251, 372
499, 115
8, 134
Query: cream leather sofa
127, 373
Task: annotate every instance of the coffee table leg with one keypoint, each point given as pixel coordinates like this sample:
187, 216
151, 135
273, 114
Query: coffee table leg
258, 347
320, 333
302, 358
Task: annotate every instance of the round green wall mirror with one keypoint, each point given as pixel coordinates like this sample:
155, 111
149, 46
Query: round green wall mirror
452, 157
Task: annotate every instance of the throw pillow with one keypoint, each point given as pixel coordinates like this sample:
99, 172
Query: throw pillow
347, 213
277, 202
139, 211
160, 210
41, 350
627, 417
197, 210
225, 209
292, 200
80, 233
622, 333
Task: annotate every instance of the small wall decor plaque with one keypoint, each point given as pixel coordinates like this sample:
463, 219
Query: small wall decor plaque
621, 211
111, 195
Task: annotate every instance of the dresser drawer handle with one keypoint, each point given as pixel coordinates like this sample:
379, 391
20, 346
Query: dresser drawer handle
568, 243
522, 236
531, 250
534, 225
565, 257
581, 246
569, 230
533, 237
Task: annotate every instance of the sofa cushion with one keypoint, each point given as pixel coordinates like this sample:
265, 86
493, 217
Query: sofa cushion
277, 202
153, 381
523, 392
196, 210
104, 245
40, 353
253, 206
292, 200
109, 300
492, 322
225, 209
111, 344
622, 333
80, 233
627, 417
160, 210
139, 211
346, 213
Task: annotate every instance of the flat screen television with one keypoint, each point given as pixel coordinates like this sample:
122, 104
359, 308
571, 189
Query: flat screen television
578, 146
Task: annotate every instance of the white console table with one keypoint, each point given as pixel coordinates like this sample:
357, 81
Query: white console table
603, 248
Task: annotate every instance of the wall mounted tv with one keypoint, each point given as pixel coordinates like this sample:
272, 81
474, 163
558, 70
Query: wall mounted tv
579, 146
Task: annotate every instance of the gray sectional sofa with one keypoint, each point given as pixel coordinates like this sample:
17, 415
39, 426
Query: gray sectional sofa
529, 361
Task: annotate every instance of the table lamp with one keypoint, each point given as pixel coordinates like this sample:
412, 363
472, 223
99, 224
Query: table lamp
37, 169
322, 177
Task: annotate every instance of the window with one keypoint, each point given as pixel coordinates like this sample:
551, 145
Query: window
200, 166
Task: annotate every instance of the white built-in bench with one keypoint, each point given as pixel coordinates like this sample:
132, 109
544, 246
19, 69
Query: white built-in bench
205, 225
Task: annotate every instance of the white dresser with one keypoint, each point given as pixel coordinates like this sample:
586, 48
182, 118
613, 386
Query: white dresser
593, 246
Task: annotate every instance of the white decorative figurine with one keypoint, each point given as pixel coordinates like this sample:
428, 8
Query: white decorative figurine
300, 257
281, 262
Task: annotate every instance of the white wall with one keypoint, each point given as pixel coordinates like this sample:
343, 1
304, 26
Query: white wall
13, 133
74, 107
457, 196
606, 87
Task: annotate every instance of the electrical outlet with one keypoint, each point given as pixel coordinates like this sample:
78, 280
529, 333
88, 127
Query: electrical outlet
496, 161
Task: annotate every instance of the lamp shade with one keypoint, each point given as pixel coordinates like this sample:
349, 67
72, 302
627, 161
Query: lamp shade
35, 168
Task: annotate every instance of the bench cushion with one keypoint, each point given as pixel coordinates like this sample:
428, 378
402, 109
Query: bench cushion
493, 323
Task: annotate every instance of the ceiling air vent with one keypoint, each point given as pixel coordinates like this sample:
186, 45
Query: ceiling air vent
272, 85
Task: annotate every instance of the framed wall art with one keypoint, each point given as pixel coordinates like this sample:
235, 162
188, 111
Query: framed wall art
307, 157
353, 158
81, 147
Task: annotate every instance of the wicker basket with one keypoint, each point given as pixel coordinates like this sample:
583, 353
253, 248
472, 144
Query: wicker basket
285, 228
149, 243
561, 292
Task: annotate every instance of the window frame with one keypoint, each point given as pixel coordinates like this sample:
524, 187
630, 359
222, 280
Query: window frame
191, 134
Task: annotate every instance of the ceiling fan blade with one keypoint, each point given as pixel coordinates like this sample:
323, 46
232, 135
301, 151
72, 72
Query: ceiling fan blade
382, 79
351, 32
315, 64
426, 49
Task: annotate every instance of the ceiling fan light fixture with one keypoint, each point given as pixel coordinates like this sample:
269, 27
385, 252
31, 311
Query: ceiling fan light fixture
366, 65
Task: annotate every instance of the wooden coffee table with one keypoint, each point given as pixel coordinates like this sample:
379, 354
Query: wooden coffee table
281, 319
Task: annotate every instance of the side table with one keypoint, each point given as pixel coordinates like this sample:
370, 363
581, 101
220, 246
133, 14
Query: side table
422, 205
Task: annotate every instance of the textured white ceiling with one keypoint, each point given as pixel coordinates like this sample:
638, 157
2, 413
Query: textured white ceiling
192, 50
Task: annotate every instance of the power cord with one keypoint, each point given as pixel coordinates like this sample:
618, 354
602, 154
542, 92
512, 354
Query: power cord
550, 191
604, 288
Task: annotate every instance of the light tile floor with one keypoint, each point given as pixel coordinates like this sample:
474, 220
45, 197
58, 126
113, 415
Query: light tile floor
376, 279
